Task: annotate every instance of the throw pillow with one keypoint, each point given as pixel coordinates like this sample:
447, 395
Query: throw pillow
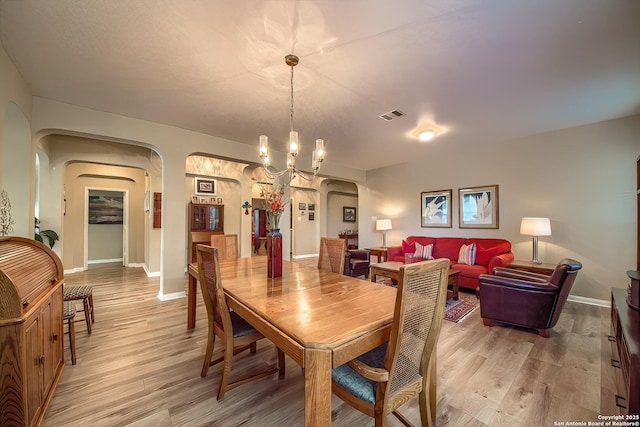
408, 248
483, 256
423, 251
467, 254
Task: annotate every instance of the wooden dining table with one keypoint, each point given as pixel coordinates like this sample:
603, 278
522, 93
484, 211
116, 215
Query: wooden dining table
320, 319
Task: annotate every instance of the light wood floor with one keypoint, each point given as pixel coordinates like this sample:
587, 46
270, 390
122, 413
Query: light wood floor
141, 367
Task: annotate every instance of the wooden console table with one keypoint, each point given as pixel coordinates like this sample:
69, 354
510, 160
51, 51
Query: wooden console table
625, 343
380, 252
347, 237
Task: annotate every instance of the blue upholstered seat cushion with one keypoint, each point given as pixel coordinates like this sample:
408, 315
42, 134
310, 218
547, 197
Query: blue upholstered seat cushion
355, 383
240, 326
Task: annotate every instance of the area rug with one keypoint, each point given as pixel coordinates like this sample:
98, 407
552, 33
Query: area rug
454, 311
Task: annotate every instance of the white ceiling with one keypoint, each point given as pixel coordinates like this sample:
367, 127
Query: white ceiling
479, 71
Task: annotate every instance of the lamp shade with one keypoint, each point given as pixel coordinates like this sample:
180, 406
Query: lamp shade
535, 227
383, 224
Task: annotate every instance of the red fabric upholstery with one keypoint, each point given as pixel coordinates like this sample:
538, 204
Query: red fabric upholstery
491, 253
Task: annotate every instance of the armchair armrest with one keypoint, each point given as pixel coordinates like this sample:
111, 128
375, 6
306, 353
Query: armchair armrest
393, 251
517, 284
521, 274
374, 374
361, 254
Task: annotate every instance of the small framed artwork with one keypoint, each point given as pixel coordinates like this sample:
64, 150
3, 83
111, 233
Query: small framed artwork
312, 216
435, 208
478, 207
219, 200
312, 206
302, 206
348, 214
204, 200
212, 200
204, 186
194, 199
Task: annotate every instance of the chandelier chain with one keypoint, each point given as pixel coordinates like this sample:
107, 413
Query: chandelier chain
291, 109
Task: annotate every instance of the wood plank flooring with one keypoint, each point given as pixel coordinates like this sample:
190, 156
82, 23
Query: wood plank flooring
141, 367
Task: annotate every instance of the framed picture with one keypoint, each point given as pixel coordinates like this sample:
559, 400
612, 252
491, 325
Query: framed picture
312, 206
212, 200
302, 206
194, 199
204, 186
312, 216
106, 209
204, 201
219, 200
435, 208
478, 207
348, 214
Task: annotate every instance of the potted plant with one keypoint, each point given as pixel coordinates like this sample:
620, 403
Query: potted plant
50, 235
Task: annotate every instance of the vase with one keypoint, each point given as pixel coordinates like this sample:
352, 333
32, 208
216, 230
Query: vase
274, 253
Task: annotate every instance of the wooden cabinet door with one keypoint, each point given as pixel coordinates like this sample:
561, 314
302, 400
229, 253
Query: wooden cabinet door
33, 368
52, 338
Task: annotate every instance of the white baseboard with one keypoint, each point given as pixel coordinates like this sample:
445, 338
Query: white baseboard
304, 256
104, 261
169, 297
149, 273
589, 301
74, 270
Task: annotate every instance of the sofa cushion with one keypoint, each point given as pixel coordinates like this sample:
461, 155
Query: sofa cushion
424, 252
448, 247
408, 248
467, 254
483, 256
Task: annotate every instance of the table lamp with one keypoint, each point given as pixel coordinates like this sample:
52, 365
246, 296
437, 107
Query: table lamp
535, 227
383, 225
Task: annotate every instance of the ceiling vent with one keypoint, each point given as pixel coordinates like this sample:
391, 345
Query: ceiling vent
392, 115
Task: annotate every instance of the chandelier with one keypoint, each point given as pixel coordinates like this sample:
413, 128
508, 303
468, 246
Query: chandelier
291, 170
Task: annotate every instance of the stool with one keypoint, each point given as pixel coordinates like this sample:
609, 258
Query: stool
84, 293
69, 313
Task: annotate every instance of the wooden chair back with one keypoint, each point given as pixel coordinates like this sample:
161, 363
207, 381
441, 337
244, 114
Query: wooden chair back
211, 289
331, 257
227, 245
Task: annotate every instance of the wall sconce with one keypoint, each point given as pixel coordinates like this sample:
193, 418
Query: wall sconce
383, 225
535, 227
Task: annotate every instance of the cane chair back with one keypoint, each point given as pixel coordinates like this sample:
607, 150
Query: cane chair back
380, 381
331, 256
236, 334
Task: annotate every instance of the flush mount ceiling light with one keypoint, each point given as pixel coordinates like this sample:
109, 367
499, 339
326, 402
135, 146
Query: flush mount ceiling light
291, 170
426, 135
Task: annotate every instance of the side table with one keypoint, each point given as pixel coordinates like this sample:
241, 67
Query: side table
380, 252
543, 268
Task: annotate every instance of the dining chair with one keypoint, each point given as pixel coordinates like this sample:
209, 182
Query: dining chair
331, 257
236, 333
227, 245
378, 382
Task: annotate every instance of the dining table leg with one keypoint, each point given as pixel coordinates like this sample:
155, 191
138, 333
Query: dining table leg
317, 387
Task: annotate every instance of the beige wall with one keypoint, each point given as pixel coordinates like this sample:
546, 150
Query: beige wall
79, 178
583, 179
16, 159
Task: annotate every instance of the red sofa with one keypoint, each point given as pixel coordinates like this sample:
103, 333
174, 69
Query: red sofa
490, 253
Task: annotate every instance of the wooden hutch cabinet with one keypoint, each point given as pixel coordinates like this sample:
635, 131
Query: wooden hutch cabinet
204, 220
31, 334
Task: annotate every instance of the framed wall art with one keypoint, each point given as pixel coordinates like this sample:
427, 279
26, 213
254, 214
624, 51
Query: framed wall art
312, 216
435, 208
204, 187
478, 207
348, 214
312, 206
302, 206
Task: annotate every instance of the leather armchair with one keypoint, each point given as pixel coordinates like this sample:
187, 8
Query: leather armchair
526, 299
356, 262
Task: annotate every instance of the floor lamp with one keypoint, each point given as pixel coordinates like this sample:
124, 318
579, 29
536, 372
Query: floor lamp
535, 227
383, 225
